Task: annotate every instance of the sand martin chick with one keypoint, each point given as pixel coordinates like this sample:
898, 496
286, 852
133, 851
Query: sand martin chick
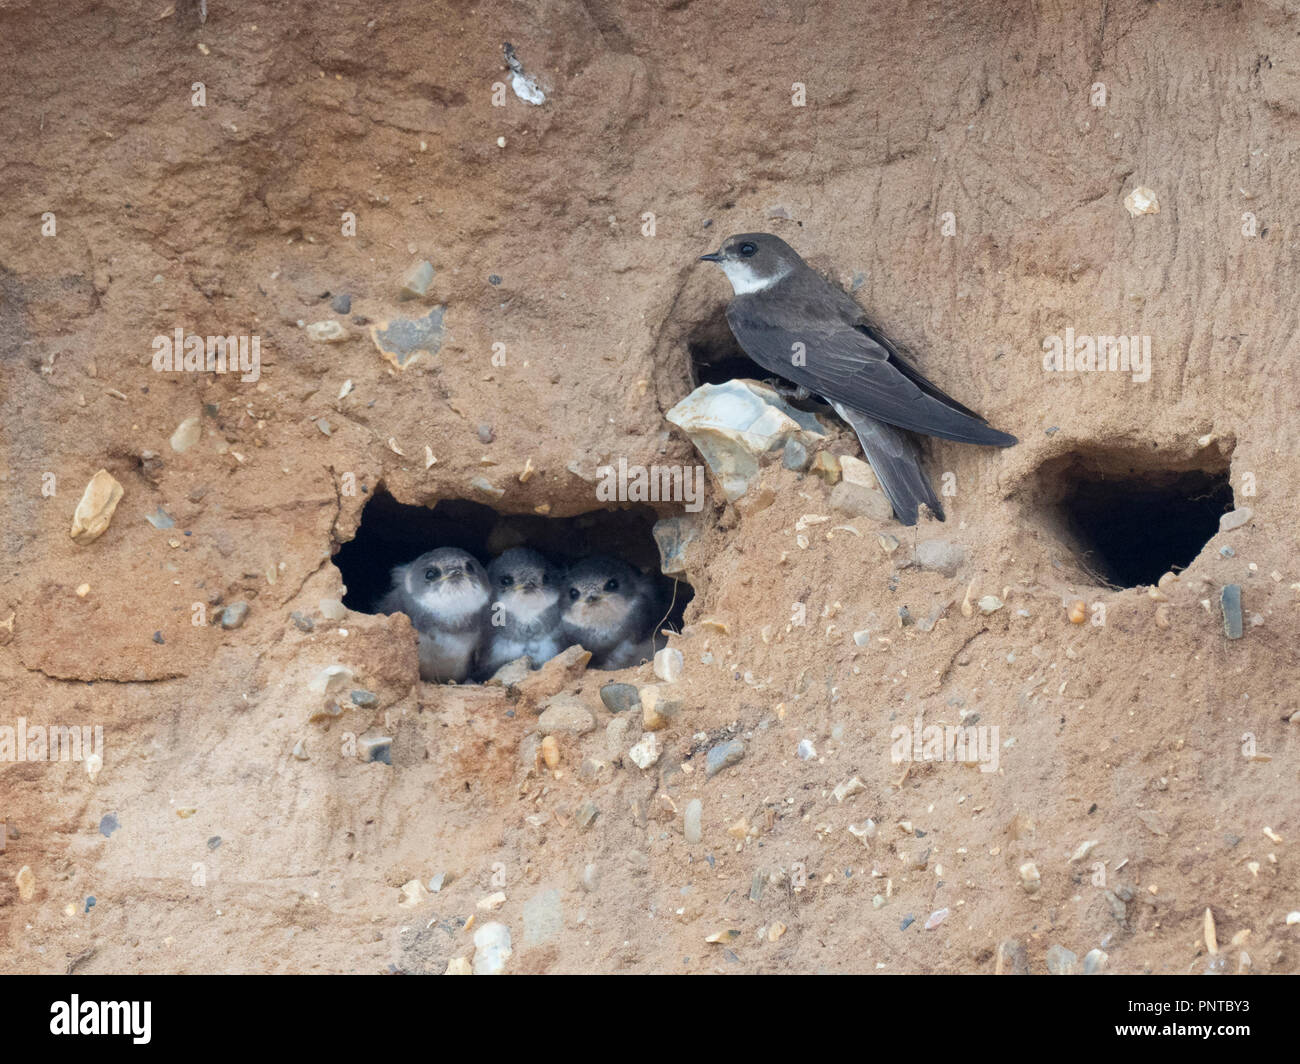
445, 593
795, 323
524, 616
609, 608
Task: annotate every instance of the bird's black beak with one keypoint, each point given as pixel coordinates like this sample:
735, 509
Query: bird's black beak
713, 256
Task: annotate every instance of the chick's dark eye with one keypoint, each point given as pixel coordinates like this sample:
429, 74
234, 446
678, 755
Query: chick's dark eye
611, 585
507, 580
747, 249
432, 574
574, 593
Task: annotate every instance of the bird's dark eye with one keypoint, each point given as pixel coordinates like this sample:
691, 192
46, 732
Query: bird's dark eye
432, 573
507, 580
574, 593
611, 585
747, 249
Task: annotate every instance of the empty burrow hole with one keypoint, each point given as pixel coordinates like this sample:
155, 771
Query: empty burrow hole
1130, 515
392, 533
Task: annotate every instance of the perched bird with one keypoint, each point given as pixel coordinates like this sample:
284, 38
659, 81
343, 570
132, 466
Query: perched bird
445, 593
609, 608
524, 616
796, 324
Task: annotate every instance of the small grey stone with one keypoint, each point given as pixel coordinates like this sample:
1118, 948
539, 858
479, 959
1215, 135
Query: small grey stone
362, 697
417, 280
233, 616
586, 815
214, 842
1094, 962
160, 519
1060, 961
620, 697
108, 824
1118, 908
1235, 519
341, 303
158, 638
722, 755
795, 455
485, 434
908, 921
378, 748
691, 821
302, 622
1230, 600
493, 279
1227, 552
940, 556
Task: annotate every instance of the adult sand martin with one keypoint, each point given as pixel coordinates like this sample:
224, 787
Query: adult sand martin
445, 593
609, 608
524, 616
796, 324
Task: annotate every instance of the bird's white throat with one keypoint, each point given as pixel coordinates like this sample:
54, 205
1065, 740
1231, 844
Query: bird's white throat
745, 280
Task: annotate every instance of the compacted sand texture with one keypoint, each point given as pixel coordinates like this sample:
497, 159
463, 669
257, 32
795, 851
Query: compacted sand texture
274, 790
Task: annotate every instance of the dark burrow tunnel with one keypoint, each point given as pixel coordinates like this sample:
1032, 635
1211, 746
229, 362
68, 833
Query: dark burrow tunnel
1127, 518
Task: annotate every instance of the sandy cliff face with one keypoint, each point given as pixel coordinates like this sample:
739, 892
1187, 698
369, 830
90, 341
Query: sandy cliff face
964, 172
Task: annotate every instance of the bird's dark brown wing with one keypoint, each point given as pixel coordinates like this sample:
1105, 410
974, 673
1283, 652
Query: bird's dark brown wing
842, 359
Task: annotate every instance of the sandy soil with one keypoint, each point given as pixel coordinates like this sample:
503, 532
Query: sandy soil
952, 163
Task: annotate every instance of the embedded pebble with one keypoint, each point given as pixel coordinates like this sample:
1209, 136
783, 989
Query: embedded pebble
551, 752
160, 519
362, 697
940, 556
341, 303
417, 280
669, 664
826, 466
586, 815
936, 918
187, 434
413, 892
1094, 962
25, 880
1235, 518
1141, 201
326, 332
723, 755
108, 824
805, 751
849, 787
620, 697
1060, 961
657, 709
646, 752
98, 502
794, 455
376, 748
491, 949
332, 609
302, 622
691, 821
459, 966
1078, 611
990, 604
1030, 878
329, 679
1230, 601
233, 616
